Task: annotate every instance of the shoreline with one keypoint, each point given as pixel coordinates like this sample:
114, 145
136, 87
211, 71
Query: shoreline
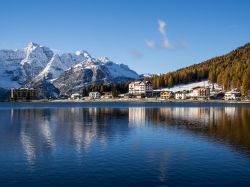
135, 100
151, 100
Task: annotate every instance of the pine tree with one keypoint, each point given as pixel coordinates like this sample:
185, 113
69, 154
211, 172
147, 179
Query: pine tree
170, 81
245, 88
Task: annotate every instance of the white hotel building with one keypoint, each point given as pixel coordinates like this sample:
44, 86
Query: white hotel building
141, 88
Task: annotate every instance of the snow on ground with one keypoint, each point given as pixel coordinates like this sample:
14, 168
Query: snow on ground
189, 86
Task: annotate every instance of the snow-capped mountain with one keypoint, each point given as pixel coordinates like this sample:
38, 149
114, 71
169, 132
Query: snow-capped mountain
36, 59
93, 71
67, 72
20, 66
60, 63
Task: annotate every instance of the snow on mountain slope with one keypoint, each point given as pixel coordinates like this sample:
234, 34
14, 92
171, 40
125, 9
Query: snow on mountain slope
117, 70
93, 71
60, 63
72, 71
19, 66
36, 59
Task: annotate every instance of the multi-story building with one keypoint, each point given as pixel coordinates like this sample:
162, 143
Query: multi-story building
141, 88
23, 94
200, 92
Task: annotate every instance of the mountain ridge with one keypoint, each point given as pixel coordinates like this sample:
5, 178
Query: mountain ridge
32, 65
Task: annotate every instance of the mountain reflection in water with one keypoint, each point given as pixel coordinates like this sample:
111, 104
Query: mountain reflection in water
31, 135
40, 128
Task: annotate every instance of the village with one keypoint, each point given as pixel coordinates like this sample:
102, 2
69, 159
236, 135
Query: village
139, 90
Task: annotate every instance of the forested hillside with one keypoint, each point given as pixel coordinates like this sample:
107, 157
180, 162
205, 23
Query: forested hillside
231, 70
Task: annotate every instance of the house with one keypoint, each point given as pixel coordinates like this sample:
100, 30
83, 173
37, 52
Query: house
232, 95
181, 95
141, 88
200, 92
75, 96
107, 95
166, 95
94, 95
23, 94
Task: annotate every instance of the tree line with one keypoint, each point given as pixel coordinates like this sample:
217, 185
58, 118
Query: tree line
114, 89
231, 71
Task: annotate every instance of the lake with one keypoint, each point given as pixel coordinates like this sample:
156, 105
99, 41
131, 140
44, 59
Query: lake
124, 144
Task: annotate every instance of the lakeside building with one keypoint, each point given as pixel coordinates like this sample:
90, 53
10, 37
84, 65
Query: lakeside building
94, 95
24, 94
166, 95
75, 96
107, 95
232, 95
181, 95
200, 92
141, 88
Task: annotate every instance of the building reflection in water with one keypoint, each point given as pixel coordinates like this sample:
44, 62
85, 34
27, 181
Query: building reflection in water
47, 131
229, 125
225, 124
137, 117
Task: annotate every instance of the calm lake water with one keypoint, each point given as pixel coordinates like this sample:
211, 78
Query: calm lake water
124, 144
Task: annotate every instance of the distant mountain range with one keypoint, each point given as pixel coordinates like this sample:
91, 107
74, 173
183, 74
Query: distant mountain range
38, 66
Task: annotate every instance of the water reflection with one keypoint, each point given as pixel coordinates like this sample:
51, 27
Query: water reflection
47, 131
225, 124
137, 117
28, 147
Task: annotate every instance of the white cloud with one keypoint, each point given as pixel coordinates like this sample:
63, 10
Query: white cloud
165, 41
150, 44
162, 30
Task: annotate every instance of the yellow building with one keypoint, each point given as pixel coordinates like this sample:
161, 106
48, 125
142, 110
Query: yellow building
167, 95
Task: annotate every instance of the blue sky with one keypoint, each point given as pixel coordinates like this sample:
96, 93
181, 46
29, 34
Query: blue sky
151, 36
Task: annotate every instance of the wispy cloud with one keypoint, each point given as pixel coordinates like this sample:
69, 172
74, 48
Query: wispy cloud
165, 41
162, 30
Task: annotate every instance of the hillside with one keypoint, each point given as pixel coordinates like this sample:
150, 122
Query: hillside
231, 70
